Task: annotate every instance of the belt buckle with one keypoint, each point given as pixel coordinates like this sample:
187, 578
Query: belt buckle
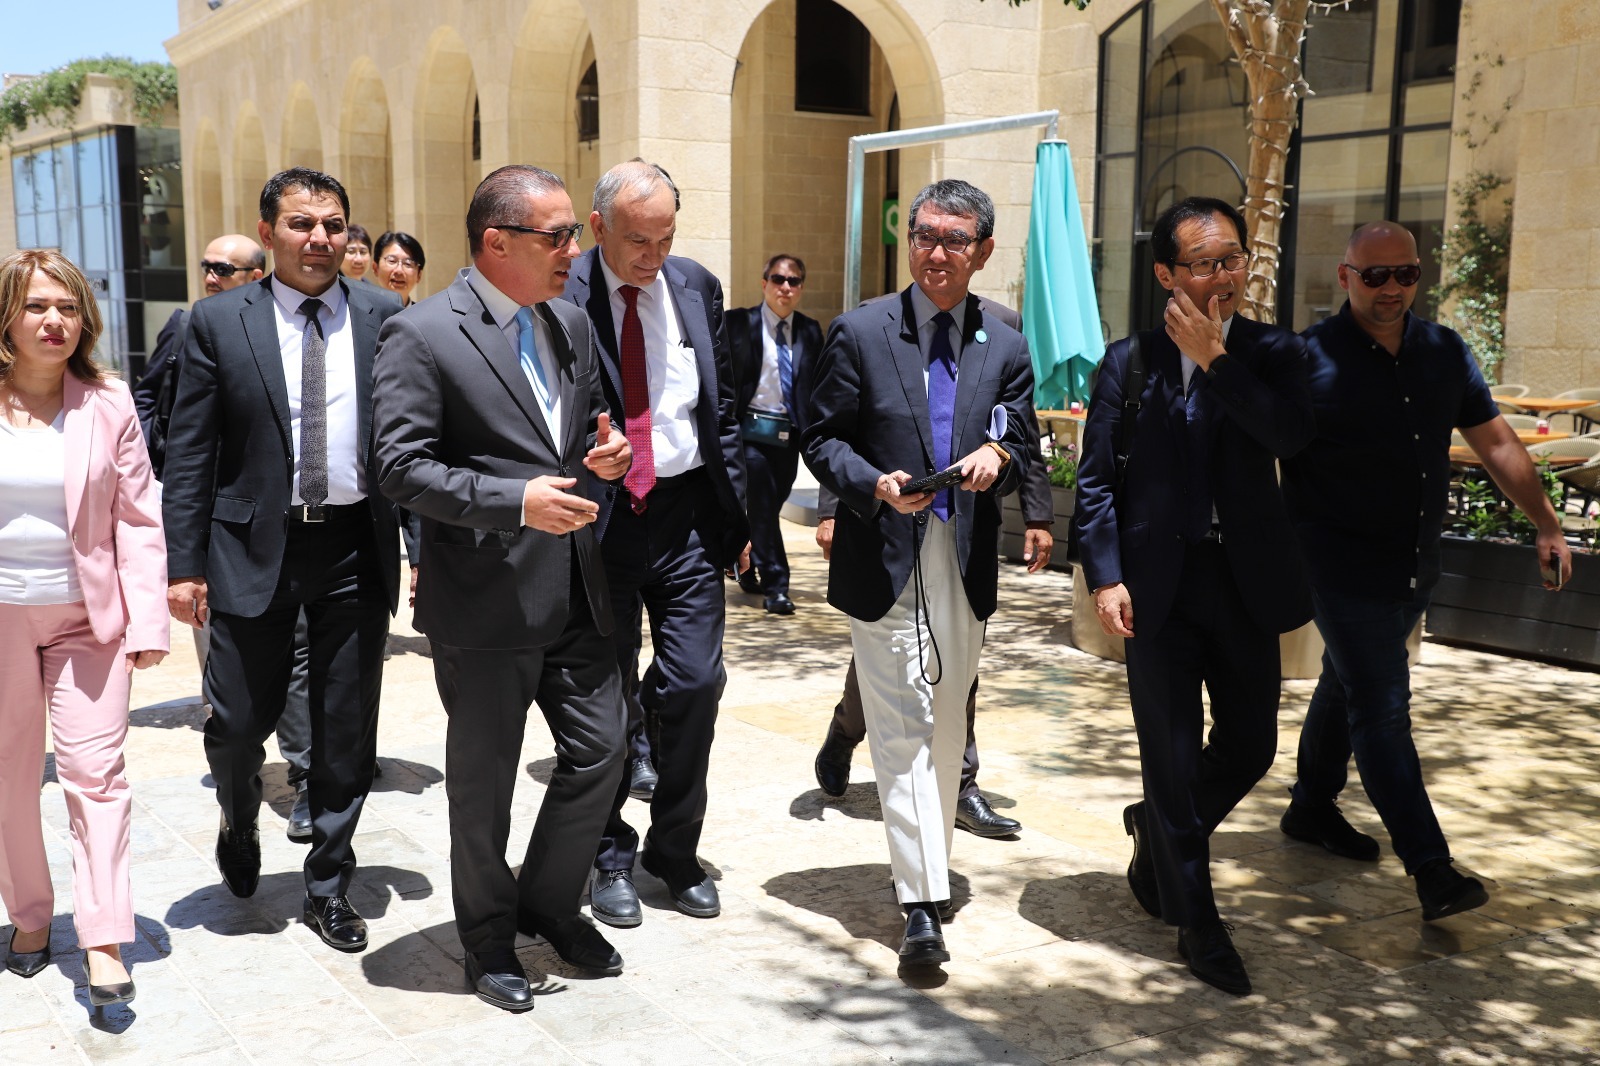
312, 512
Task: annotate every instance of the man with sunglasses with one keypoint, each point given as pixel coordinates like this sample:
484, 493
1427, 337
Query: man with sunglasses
768, 341
1368, 498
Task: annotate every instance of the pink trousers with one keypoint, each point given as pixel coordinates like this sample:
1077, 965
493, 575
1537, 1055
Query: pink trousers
50, 661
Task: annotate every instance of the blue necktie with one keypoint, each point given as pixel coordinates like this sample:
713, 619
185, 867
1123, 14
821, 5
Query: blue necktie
1196, 411
785, 368
942, 402
528, 356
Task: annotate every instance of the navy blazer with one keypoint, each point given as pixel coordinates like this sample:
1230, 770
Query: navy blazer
230, 455
867, 415
745, 341
699, 298
1261, 412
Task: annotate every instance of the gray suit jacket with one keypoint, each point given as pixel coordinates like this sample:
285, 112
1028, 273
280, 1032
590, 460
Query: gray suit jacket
459, 435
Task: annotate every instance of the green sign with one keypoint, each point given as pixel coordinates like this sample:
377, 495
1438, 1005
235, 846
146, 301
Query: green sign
891, 222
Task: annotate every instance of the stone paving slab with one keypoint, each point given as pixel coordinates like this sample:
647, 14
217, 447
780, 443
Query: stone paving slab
1053, 960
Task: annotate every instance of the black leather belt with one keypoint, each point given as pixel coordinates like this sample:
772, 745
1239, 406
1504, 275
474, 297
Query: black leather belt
311, 513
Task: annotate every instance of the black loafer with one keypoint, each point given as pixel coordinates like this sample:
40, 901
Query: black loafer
923, 944
1444, 890
239, 859
778, 603
748, 582
299, 827
978, 818
497, 978
1142, 868
336, 922
642, 779
107, 995
1212, 957
613, 899
833, 764
575, 940
26, 963
1325, 825
693, 891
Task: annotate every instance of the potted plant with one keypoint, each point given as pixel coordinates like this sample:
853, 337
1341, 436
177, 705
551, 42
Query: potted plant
1062, 463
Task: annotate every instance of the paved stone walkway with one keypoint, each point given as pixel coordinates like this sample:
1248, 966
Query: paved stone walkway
1053, 959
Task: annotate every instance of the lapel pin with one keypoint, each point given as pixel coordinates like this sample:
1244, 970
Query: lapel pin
981, 337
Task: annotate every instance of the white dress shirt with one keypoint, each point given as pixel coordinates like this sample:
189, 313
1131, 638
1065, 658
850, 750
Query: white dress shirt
769, 386
36, 564
671, 370
503, 309
347, 480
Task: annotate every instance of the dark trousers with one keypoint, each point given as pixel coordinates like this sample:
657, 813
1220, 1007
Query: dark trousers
486, 695
769, 475
656, 565
330, 571
1362, 704
294, 727
1189, 787
850, 724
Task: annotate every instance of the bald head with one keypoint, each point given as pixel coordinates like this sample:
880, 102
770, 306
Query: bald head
242, 253
1391, 236
1385, 250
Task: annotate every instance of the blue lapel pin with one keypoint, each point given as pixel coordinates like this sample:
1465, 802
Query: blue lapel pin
981, 337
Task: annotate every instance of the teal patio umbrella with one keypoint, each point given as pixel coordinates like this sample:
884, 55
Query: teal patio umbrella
1060, 315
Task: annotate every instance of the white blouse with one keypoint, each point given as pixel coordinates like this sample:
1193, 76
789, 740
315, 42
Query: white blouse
36, 564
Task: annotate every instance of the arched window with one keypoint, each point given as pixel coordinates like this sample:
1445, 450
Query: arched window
589, 106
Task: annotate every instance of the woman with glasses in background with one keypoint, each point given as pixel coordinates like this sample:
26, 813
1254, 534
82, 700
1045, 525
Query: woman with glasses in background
83, 579
398, 261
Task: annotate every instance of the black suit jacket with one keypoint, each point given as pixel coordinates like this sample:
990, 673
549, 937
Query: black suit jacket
1261, 412
744, 339
459, 434
867, 415
230, 459
698, 295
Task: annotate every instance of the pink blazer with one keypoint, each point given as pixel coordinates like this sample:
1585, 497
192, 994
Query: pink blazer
114, 513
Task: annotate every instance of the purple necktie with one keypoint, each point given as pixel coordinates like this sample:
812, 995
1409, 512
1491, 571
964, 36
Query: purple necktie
942, 403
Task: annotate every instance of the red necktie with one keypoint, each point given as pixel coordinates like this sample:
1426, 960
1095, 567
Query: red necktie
641, 476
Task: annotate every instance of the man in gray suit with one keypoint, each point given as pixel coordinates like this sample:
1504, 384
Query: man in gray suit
490, 422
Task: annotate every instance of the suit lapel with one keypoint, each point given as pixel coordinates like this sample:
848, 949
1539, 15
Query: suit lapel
596, 302
566, 373
692, 313
974, 357
78, 431
901, 333
480, 329
260, 324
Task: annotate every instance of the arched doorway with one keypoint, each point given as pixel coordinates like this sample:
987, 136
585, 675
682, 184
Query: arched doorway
552, 51
206, 196
364, 148
249, 169
302, 132
447, 157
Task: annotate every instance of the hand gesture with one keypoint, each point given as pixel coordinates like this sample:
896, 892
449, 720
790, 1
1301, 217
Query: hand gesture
549, 507
1197, 333
888, 491
611, 455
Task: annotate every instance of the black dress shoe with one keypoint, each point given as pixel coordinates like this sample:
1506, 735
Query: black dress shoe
1444, 890
748, 582
1142, 868
336, 922
778, 603
299, 828
978, 818
613, 899
833, 763
497, 978
107, 995
239, 859
26, 963
924, 940
642, 779
1212, 957
575, 940
693, 891
1325, 825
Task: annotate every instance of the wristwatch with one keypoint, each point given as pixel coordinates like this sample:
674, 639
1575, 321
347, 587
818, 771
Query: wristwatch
1005, 456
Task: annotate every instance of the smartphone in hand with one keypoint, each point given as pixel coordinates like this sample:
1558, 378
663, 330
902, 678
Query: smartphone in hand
1550, 570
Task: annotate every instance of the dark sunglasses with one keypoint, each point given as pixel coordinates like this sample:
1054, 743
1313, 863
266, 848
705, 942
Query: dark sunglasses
784, 279
221, 270
559, 238
1378, 277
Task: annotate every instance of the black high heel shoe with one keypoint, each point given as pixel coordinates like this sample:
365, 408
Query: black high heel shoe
26, 963
107, 995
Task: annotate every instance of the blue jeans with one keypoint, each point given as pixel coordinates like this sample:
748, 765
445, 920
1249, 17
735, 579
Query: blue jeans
1362, 704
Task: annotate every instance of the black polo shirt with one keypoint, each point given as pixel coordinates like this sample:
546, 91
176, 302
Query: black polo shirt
1368, 495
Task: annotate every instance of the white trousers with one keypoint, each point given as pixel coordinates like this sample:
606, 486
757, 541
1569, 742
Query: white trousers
917, 731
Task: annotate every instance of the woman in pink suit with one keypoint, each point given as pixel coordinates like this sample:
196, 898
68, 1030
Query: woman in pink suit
83, 580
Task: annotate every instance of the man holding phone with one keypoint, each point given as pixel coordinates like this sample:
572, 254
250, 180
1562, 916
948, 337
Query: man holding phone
1368, 498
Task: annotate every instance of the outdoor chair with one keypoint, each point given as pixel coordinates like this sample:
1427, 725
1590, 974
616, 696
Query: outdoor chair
1518, 421
1584, 419
1582, 482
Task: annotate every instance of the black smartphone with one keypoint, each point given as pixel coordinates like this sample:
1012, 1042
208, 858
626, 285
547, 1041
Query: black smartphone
933, 482
1549, 569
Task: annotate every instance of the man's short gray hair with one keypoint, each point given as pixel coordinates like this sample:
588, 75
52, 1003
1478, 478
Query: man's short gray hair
952, 196
633, 180
502, 197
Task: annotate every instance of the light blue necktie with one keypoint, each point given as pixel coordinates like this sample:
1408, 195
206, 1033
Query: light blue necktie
528, 355
785, 367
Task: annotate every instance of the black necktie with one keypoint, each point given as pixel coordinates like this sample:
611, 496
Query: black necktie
313, 408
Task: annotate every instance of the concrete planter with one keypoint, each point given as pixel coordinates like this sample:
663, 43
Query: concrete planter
1012, 526
1490, 595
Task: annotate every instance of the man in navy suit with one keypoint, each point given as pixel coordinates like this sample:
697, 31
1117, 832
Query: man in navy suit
1190, 556
903, 388
671, 527
768, 341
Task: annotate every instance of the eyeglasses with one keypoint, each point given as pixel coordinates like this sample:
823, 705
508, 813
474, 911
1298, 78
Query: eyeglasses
926, 240
1378, 277
784, 279
395, 262
221, 270
559, 237
1204, 268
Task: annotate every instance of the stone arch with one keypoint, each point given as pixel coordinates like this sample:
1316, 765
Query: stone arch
249, 168
365, 148
446, 98
206, 196
302, 131
548, 58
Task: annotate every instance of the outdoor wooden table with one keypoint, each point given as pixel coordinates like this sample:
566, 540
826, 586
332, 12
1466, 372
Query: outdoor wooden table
1062, 427
1550, 404
1533, 436
1467, 457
